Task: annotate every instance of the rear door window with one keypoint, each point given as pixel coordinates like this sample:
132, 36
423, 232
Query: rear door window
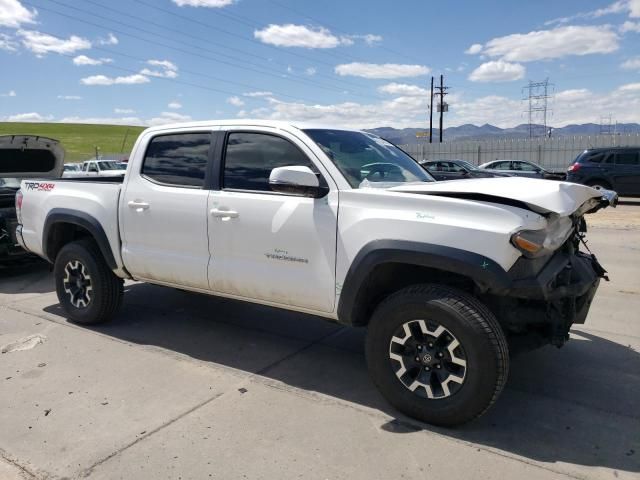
627, 158
178, 159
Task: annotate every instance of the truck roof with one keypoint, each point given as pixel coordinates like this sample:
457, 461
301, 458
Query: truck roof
284, 125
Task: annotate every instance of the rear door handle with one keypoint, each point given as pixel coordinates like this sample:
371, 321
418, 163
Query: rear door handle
139, 206
223, 213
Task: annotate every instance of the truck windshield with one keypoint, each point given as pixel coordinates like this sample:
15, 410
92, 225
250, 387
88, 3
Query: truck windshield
367, 160
109, 165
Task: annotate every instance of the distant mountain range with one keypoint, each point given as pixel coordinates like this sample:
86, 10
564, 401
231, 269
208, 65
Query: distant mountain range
487, 132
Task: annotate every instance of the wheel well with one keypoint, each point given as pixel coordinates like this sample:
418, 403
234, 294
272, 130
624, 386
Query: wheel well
388, 278
62, 233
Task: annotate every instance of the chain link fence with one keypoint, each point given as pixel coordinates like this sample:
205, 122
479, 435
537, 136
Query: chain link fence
556, 152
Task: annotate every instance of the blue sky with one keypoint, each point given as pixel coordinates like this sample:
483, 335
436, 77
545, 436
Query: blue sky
359, 63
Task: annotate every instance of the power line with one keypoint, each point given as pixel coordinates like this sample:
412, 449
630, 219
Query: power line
192, 52
207, 41
233, 34
188, 72
336, 30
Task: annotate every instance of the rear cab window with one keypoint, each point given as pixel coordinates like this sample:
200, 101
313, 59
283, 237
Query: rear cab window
178, 159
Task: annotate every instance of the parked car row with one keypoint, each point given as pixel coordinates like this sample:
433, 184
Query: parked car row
611, 168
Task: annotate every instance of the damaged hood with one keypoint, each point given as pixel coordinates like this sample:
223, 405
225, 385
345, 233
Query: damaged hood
29, 156
541, 196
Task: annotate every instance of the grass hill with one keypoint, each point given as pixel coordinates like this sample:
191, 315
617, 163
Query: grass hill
79, 140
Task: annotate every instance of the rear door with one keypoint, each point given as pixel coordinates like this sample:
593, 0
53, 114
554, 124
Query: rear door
26, 156
270, 246
626, 172
164, 210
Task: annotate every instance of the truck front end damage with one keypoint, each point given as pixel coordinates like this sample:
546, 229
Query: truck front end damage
550, 293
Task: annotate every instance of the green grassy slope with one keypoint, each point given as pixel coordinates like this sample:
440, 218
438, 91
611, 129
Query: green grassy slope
79, 140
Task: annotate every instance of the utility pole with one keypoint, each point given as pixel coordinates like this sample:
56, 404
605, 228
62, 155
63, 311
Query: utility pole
431, 113
442, 105
538, 96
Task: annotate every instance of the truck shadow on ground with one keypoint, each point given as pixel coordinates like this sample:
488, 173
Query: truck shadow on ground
578, 405
27, 276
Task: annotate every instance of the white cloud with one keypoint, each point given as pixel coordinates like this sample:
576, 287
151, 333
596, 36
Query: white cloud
385, 70
497, 71
169, 117
370, 39
291, 35
10, 93
310, 71
241, 114
84, 60
257, 94
634, 8
403, 89
110, 40
69, 97
124, 111
175, 105
167, 69
203, 3
474, 49
104, 80
7, 44
573, 95
631, 64
630, 87
13, 14
41, 43
235, 101
630, 27
555, 43
619, 6
28, 117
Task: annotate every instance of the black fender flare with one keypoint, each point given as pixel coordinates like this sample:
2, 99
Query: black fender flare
488, 275
84, 220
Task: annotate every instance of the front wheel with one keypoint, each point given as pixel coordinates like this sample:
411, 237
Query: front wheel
87, 289
437, 354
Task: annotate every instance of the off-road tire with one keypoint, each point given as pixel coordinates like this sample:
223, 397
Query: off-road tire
470, 322
106, 288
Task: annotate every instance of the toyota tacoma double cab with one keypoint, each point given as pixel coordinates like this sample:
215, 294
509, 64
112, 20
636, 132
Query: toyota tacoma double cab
447, 276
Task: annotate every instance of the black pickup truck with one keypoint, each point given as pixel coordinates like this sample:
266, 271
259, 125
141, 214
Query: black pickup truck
22, 156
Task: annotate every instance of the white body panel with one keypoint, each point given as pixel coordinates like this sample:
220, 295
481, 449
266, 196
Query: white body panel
283, 250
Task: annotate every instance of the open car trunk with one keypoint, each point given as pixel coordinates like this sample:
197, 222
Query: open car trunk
28, 156
22, 156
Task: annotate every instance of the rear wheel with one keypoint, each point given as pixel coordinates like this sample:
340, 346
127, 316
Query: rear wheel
437, 354
86, 287
599, 185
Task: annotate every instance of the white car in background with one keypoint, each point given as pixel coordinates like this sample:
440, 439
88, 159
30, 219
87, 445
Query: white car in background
100, 168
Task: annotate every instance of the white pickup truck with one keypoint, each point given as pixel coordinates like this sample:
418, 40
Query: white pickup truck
447, 276
98, 168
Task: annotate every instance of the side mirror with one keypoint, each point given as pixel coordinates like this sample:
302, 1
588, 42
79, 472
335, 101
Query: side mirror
296, 180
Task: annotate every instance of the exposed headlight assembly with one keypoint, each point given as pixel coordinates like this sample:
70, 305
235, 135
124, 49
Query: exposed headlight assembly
537, 243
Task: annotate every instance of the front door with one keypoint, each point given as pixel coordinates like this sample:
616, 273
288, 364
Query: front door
164, 211
265, 245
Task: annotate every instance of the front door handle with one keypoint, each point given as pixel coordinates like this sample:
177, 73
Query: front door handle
223, 213
139, 206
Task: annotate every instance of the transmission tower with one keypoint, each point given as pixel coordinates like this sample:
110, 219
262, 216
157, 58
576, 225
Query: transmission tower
537, 96
606, 125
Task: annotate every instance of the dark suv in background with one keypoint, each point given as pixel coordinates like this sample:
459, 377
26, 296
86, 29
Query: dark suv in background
611, 168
